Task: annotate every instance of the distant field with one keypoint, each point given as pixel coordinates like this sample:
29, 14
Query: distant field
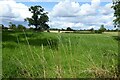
62, 55
112, 33
56, 31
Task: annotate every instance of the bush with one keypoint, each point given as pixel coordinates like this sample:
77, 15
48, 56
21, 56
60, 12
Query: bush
98, 31
84, 32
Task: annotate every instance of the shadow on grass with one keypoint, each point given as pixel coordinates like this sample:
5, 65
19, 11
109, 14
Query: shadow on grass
29, 35
51, 43
34, 39
116, 38
7, 37
10, 46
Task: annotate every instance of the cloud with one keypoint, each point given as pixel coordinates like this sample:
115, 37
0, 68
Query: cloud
71, 9
66, 9
59, 0
64, 14
95, 3
72, 14
65, 25
106, 10
12, 11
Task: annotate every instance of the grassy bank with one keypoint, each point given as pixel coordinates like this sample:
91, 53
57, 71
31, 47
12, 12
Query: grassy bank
58, 55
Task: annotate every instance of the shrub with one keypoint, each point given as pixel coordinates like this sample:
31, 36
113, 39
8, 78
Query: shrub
98, 31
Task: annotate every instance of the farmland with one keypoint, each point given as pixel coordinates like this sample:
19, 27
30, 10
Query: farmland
58, 55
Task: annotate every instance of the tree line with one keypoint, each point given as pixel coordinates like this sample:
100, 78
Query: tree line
13, 27
21, 28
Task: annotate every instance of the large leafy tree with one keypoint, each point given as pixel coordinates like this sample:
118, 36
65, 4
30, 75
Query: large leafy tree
116, 7
39, 18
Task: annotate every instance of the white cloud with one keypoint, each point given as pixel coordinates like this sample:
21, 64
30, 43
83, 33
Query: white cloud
64, 14
69, 8
72, 14
95, 3
66, 9
59, 0
12, 11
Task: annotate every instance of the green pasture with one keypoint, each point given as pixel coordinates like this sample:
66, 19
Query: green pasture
58, 55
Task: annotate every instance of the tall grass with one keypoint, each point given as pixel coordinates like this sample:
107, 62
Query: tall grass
51, 55
0, 54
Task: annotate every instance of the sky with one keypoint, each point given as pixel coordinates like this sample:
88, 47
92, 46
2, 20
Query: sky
77, 14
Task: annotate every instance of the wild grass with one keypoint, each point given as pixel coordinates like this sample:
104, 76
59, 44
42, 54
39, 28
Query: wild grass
58, 55
0, 54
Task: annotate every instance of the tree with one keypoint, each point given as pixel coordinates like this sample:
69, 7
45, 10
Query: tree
116, 7
21, 27
102, 28
12, 26
39, 18
92, 29
1, 26
63, 29
69, 29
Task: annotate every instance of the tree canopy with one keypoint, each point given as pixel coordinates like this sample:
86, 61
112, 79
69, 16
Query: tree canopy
69, 29
116, 7
102, 28
12, 26
39, 18
21, 27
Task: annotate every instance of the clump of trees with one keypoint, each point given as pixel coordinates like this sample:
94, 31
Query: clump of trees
3, 27
21, 27
12, 26
92, 29
102, 28
69, 29
18, 27
39, 18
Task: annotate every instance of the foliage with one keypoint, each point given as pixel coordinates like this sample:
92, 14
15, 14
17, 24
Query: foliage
31, 28
98, 31
62, 29
84, 32
92, 29
39, 18
2, 26
69, 29
21, 27
12, 26
102, 28
116, 7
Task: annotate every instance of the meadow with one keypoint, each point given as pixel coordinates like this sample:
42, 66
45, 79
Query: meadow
31, 54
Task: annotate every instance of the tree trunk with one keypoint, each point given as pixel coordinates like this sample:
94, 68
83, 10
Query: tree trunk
36, 27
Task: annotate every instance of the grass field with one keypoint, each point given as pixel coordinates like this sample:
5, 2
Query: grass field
59, 55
